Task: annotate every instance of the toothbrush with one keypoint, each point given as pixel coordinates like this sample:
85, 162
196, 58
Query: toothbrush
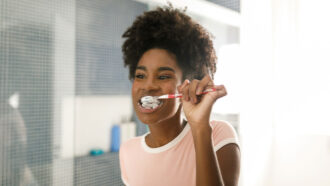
147, 100
168, 96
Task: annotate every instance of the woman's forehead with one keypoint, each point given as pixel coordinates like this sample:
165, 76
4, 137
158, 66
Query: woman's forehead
158, 59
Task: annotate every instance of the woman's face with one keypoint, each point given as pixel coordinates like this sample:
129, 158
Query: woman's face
157, 73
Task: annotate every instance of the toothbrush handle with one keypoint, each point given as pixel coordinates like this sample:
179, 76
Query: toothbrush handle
209, 90
180, 95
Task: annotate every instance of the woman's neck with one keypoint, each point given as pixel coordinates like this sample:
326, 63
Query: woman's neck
160, 134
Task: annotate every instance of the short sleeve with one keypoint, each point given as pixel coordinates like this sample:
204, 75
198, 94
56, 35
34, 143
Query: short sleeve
122, 165
222, 134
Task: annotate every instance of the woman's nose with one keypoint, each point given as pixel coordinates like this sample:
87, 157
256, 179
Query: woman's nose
151, 85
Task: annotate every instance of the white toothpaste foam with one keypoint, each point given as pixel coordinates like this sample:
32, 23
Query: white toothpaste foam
150, 102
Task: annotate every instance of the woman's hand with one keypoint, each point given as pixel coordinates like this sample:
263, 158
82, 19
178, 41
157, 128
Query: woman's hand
197, 106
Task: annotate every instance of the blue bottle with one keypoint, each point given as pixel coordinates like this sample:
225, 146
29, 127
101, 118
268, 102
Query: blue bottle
115, 138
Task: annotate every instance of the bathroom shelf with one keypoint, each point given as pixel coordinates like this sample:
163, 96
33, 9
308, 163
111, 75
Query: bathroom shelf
98, 170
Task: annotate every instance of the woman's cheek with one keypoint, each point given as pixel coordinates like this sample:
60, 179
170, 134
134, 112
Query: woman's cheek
135, 86
171, 87
134, 90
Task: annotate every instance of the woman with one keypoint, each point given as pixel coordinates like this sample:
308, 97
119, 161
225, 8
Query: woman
166, 53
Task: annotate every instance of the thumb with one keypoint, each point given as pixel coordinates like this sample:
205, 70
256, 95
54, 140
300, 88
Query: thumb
220, 92
179, 88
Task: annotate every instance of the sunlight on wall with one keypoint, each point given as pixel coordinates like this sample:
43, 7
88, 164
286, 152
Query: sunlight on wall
285, 100
302, 67
229, 74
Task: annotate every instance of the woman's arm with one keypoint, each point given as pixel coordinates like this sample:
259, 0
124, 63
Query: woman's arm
208, 162
207, 166
209, 171
229, 161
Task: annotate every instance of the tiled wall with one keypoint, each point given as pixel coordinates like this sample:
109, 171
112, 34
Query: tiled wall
52, 51
231, 4
61, 64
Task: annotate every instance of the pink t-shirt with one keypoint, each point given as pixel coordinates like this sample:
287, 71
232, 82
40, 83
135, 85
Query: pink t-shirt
172, 164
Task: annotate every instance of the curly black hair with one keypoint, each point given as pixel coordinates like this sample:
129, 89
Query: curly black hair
170, 29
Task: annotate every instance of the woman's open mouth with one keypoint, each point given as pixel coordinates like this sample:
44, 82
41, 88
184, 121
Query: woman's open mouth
149, 106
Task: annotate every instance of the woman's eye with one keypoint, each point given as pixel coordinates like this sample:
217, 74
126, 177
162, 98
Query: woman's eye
164, 77
139, 76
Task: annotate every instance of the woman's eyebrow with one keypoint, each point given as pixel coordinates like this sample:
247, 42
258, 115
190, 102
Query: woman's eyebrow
159, 69
141, 68
166, 68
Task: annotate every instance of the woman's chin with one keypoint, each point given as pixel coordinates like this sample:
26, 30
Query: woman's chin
154, 119
148, 119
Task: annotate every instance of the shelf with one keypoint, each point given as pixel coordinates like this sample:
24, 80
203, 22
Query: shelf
202, 8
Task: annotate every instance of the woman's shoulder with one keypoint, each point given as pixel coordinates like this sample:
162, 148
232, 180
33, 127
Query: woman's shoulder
131, 143
220, 123
223, 128
223, 133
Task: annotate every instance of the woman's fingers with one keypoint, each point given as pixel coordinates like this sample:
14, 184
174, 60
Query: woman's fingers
192, 90
183, 89
221, 90
205, 83
180, 87
185, 92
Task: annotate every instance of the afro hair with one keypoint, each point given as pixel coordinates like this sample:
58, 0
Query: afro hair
170, 29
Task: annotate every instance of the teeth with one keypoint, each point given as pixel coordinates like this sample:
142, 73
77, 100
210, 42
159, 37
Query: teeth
149, 102
148, 99
150, 105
